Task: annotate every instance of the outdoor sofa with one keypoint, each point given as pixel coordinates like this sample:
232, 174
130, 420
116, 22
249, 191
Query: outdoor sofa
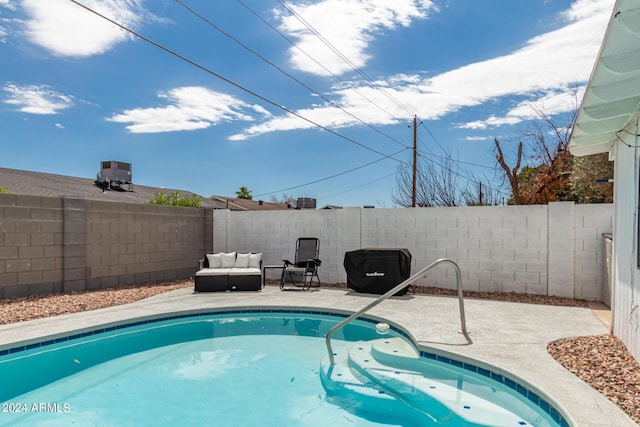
229, 271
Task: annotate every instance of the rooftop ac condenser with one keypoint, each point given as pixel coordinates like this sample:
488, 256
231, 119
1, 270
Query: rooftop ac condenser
114, 174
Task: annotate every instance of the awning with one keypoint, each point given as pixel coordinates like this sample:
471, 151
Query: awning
612, 97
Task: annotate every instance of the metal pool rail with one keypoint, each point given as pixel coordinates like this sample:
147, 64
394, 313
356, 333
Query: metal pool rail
409, 281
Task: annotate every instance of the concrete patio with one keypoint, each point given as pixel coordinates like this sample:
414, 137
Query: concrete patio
511, 337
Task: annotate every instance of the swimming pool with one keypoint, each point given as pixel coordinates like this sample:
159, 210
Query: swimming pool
191, 369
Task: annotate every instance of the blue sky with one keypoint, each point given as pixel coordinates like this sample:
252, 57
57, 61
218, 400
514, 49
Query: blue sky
274, 95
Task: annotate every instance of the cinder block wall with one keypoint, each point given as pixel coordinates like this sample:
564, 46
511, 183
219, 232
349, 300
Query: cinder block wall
31, 245
554, 249
51, 245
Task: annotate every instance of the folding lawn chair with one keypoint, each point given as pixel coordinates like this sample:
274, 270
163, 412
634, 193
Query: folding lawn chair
301, 272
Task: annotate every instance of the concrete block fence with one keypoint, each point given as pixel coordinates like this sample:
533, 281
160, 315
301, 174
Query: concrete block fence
554, 249
52, 245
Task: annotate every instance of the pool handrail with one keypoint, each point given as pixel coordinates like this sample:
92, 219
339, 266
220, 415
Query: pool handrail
409, 281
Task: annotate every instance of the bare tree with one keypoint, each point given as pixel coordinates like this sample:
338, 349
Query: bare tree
547, 139
548, 134
511, 174
285, 198
479, 193
436, 183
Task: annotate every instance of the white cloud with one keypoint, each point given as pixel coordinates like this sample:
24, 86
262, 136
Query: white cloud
189, 108
548, 64
7, 4
348, 26
551, 103
36, 99
67, 29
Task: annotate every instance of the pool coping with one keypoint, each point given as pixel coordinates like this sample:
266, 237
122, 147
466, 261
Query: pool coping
500, 332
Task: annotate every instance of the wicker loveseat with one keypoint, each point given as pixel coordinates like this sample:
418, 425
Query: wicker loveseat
230, 271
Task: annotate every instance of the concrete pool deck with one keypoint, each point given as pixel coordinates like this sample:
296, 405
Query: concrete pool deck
512, 337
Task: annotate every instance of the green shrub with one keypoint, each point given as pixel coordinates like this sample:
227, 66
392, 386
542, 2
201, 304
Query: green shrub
4, 190
174, 199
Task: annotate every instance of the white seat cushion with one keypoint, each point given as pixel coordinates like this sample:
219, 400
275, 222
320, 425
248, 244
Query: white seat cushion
244, 271
213, 272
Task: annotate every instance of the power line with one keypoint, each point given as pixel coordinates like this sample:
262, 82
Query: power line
295, 46
356, 188
326, 178
231, 82
443, 150
432, 135
466, 178
344, 57
428, 157
254, 52
431, 153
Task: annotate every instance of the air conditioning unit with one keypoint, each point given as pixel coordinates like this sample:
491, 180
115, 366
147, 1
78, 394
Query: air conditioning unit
306, 203
114, 174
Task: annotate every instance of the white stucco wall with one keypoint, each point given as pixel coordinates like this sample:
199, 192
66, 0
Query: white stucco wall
554, 249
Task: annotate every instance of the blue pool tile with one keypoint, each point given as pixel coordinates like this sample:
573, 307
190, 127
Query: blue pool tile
484, 372
497, 377
544, 405
510, 383
456, 363
470, 367
443, 359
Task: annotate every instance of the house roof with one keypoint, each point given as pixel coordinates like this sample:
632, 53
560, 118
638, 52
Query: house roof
222, 202
612, 97
51, 185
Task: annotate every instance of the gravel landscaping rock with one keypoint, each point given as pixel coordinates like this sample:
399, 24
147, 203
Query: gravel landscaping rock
604, 363
37, 306
601, 361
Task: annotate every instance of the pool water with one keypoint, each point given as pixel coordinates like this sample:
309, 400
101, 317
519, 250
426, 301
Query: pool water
259, 369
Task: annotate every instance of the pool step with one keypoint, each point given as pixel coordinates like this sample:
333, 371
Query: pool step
392, 368
358, 394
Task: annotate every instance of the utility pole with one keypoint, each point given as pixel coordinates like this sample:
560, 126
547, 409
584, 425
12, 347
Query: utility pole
415, 159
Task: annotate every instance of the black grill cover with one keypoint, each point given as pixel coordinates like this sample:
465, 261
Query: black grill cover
377, 270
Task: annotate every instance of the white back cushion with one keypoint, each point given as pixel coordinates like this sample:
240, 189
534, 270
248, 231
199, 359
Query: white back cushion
215, 261
228, 259
254, 260
242, 261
